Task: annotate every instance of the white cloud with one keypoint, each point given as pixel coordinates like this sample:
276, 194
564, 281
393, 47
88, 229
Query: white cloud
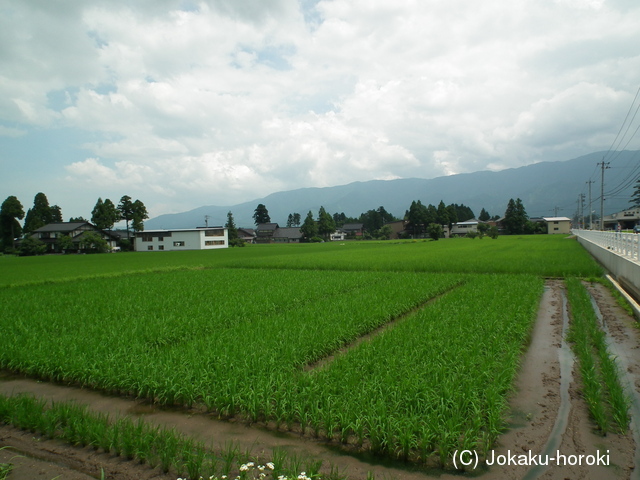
175, 96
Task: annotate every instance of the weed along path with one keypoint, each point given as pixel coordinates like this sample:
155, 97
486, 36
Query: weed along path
546, 416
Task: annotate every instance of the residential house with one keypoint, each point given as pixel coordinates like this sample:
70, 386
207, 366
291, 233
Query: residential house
398, 228
460, 229
287, 235
206, 238
353, 229
52, 233
247, 234
265, 231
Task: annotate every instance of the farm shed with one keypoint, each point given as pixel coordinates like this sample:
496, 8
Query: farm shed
558, 224
208, 238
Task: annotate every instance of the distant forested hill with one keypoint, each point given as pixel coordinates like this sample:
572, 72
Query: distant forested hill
542, 187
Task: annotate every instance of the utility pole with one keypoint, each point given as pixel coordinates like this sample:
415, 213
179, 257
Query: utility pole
206, 220
582, 207
590, 210
604, 166
555, 211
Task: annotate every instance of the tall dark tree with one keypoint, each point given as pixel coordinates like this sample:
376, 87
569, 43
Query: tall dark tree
290, 221
484, 216
56, 214
326, 225
452, 213
139, 216
443, 214
232, 232
38, 216
417, 218
296, 220
309, 228
463, 213
515, 217
125, 209
97, 214
10, 212
261, 215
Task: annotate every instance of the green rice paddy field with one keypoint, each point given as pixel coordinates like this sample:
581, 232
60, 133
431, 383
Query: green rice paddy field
271, 333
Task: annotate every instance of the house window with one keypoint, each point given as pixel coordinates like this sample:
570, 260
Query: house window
556, 228
147, 238
555, 223
210, 243
160, 239
160, 247
218, 232
178, 244
150, 247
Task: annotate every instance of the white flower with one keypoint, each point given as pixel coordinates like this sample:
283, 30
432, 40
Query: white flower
271, 466
261, 467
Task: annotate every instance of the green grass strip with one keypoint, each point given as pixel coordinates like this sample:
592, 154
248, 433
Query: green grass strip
157, 447
602, 391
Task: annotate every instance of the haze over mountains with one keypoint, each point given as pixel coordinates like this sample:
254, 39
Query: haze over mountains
542, 187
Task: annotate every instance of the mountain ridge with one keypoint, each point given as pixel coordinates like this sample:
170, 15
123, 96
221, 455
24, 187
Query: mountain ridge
542, 186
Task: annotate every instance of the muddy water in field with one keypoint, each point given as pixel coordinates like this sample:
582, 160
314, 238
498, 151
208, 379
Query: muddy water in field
535, 404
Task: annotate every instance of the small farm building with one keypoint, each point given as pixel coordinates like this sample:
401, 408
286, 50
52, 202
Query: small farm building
558, 224
207, 238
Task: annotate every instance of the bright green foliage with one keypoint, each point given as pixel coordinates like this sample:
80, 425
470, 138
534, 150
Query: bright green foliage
309, 227
602, 390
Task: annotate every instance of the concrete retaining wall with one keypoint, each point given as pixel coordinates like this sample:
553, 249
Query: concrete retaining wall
626, 271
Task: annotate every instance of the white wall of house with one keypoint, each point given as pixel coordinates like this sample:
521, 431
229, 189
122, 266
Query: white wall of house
187, 239
462, 228
558, 225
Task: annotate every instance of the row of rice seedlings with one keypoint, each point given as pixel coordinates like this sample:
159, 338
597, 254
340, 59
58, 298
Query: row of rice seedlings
169, 339
6, 468
602, 389
151, 445
436, 383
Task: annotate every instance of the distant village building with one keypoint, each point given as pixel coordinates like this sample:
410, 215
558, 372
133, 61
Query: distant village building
207, 238
460, 229
626, 218
51, 234
265, 231
558, 225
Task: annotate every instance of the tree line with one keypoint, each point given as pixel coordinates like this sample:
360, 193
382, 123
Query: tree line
105, 215
422, 220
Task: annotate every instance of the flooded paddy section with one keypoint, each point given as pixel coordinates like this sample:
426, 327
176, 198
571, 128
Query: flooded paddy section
545, 414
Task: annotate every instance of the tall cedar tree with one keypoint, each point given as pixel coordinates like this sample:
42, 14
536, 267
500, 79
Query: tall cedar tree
261, 215
309, 228
139, 216
232, 230
125, 209
484, 216
40, 215
326, 225
104, 214
515, 217
10, 212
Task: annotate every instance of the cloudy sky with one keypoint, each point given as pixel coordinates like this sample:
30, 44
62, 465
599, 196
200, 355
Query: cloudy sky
186, 103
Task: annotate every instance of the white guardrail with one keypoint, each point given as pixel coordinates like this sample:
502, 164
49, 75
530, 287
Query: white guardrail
624, 244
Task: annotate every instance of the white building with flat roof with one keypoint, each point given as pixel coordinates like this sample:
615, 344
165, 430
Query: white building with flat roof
207, 238
558, 224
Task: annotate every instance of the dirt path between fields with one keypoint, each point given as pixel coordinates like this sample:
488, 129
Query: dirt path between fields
534, 416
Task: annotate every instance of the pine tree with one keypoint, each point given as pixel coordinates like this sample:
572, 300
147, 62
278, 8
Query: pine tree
261, 215
10, 212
